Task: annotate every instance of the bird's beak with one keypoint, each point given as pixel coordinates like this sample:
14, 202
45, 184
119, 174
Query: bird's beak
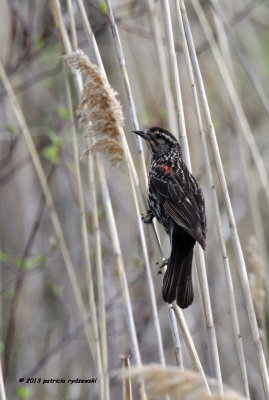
144, 134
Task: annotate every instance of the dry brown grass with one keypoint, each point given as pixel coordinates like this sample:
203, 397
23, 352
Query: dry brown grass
178, 384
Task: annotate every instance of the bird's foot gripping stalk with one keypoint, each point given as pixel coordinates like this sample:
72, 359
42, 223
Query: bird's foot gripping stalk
162, 265
147, 219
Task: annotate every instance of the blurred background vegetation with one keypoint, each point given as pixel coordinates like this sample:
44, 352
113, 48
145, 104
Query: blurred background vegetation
40, 333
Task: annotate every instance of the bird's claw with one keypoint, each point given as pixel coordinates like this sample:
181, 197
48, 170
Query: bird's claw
162, 265
147, 219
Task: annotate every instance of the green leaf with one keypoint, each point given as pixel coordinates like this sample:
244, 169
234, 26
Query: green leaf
55, 139
31, 262
24, 392
36, 261
63, 112
102, 7
52, 153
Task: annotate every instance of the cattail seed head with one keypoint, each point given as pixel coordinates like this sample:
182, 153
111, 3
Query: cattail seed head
99, 111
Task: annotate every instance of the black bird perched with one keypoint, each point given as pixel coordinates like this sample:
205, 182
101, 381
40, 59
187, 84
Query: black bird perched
177, 202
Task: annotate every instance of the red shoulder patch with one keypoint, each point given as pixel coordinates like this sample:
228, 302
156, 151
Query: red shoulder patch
164, 168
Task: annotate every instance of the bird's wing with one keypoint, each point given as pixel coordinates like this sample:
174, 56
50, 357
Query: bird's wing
181, 197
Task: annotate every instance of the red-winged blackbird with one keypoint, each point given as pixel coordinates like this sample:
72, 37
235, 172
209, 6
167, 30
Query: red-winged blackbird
177, 202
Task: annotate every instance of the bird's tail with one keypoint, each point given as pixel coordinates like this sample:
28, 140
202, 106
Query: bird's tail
177, 282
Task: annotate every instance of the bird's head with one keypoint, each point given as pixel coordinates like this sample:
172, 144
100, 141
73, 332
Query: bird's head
160, 140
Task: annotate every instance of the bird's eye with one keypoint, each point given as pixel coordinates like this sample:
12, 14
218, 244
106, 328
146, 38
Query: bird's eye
158, 136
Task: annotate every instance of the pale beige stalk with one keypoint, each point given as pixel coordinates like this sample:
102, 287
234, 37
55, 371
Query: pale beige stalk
256, 273
247, 172
162, 60
97, 239
235, 321
190, 344
120, 55
100, 274
201, 268
241, 56
50, 204
236, 242
119, 52
121, 269
127, 152
79, 60
85, 241
2, 385
242, 120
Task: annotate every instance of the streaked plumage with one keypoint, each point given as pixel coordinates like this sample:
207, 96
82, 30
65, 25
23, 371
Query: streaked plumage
177, 202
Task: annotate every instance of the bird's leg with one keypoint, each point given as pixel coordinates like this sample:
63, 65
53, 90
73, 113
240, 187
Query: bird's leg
162, 265
147, 219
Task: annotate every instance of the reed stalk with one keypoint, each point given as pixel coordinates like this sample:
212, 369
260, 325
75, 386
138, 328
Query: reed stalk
176, 338
211, 334
190, 344
100, 274
175, 81
85, 241
100, 362
236, 242
241, 56
258, 227
2, 385
242, 120
135, 184
171, 317
121, 270
126, 381
120, 265
79, 61
97, 238
229, 283
120, 55
157, 37
50, 204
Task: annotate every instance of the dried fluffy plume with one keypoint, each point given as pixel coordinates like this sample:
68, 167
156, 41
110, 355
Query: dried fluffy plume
183, 385
100, 112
